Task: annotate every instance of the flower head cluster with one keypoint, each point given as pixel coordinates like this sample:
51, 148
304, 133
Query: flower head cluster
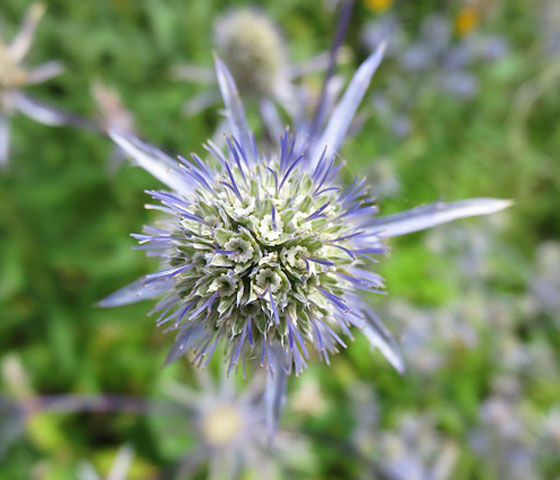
14, 76
253, 50
267, 254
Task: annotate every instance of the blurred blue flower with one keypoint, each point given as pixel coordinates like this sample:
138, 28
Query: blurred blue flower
506, 438
413, 449
231, 430
14, 76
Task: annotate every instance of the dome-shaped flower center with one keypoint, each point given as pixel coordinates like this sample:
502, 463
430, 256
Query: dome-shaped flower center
11, 74
268, 279
221, 425
253, 50
241, 250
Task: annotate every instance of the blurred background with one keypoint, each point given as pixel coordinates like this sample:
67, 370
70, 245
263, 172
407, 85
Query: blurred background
466, 104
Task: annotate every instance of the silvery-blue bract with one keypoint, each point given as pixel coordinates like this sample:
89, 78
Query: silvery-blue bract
266, 255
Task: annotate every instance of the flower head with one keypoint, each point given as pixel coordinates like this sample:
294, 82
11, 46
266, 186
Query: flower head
268, 254
230, 427
253, 50
14, 76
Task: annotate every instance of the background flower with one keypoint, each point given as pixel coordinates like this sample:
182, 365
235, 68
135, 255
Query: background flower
14, 76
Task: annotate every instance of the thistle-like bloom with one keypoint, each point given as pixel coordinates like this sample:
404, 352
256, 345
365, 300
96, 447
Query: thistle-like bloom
267, 255
256, 54
14, 76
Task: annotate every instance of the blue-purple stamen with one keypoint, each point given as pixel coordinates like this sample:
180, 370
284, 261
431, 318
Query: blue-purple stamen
250, 331
290, 169
209, 352
201, 351
234, 190
293, 329
325, 190
194, 218
163, 313
206, 305
320, 165
320, 262
346, 237
325, 176
345, 250
287, 145
317, 213
319, 342
274, 309
171, 272
179, 313
233, 151
198, 176
178, 206
216, 152
367, 251
273, 218
363, 284
203, 167
142, 238
332, 333
233, 183
241, 151
234, 360
338, 302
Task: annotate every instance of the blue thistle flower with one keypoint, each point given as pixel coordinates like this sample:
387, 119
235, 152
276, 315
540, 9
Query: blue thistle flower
266, 255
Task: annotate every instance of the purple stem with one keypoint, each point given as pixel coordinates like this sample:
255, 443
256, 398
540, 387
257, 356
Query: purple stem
342, 27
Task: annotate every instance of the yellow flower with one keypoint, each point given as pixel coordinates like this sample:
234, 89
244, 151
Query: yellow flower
466, 20
379, 5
